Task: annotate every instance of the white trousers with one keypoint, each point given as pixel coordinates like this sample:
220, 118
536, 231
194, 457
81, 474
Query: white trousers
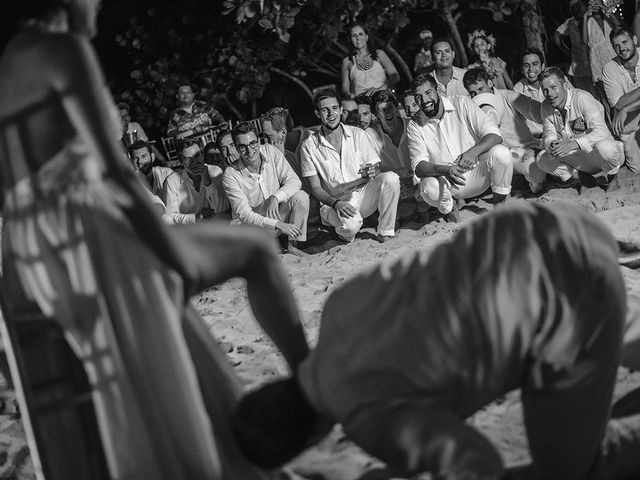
605, 159
494, 168
380, 193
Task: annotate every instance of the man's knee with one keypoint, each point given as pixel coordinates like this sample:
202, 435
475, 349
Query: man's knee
611, 152
546, 162
500, 157
429, 189
349, 227
389, 178
300, 199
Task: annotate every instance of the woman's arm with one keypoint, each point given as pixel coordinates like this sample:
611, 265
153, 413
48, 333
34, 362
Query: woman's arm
507, 79
77, 76
346, 81
390, 69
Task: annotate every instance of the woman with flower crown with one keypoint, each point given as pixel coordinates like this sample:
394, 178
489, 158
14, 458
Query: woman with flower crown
483, 46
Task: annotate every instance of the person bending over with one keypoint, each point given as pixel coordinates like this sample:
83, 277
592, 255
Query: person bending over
412, 347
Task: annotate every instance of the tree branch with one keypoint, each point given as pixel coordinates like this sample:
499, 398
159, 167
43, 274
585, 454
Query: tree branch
400, 61
232, 107
295, 80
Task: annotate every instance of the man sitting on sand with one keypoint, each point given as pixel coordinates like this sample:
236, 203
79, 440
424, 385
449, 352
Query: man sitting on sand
576, 137
194, 192
411, 348
510, 111
144, 161
455, 149
264, 190
344, 173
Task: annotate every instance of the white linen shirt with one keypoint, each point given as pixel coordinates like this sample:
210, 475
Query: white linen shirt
183, 201
248, 191
582, 109
617, 79
510, 111
441, 141
334, 168
455, 85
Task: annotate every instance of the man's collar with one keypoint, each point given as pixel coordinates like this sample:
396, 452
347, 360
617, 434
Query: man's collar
320, 136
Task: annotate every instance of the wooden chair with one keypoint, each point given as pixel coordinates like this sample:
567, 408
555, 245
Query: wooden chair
170, 146
54, 395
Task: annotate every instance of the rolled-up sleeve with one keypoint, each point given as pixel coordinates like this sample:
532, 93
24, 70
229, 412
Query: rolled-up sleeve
597, 129
286, 177
417, 145
478, 121
240, 207
306, 162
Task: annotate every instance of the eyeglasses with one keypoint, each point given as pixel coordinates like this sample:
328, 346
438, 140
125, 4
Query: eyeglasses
246, 148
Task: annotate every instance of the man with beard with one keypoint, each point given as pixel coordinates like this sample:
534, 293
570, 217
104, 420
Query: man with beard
344, 174
455, 149
576, 137
621, 82
144, 161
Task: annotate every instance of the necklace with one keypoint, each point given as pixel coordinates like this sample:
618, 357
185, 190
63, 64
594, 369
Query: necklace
364, 63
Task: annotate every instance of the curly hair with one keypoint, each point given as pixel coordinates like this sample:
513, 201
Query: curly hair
490, 39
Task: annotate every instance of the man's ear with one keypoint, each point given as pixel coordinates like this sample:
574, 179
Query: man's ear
317, 113
453, 53
153, 157
635, 40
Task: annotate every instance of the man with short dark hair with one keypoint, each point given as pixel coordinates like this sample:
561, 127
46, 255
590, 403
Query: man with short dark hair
194, 192
344, 173
510, 111
409, 103
191, 116
226, 147
365, 115
455, 150
264, 190
349, 112
576, 137
622, 86
277, 125
448, 76
143, 160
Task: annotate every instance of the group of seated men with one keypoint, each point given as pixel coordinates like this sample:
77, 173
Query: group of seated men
457, 136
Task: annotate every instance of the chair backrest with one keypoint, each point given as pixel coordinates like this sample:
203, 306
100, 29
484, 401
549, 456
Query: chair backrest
170, 146
55, 398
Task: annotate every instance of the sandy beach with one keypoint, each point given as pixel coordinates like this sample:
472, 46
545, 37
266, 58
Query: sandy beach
227, 314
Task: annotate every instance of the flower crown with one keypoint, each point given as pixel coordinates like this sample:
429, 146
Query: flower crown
490, 39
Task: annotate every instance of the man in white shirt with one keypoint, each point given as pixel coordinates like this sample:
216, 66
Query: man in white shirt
194, 192
448, 77
621, 85
576, 137
510, 111
344, 173
264, 190
143, 159
530, 297
455, 149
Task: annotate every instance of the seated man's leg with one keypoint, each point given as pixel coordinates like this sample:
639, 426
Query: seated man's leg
608, 156
414, 438
632, 150
346, 228
556, 166
494, 168
296, 211
436, 191
382, 193
524, 162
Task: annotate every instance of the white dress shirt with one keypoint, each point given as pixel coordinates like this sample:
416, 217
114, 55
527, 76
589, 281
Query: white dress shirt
183, 201
442, 140
334, 168
584, 121
455, 85
248, 191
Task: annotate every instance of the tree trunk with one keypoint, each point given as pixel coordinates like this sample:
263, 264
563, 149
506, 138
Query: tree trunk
232, 107
455, 33
534, 31
295, 80
398, 60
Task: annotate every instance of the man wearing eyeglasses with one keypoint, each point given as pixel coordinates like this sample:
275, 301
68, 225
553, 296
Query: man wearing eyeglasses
344, 174
264, 190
